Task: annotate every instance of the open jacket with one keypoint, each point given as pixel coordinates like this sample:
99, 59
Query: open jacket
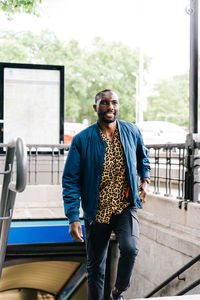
84, 166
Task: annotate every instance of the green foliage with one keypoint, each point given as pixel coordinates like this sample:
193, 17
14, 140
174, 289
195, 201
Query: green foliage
102, 65
87, 71
19, 6
170, 102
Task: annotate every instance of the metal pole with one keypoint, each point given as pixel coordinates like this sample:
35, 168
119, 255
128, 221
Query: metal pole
7, 178
141, 64
141, 86
193, 107
191, 174
137, 99
189, 288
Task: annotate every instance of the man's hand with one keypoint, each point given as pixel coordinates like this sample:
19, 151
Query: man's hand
75, 231
142, 191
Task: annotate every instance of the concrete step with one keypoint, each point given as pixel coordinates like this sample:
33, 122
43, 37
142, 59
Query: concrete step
186, 297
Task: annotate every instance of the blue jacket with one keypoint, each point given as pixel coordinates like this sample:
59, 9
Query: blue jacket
84, 166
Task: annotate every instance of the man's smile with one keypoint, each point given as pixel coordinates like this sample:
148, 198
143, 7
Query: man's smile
109, 114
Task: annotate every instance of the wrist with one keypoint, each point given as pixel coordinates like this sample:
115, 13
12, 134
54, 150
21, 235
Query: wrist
147, 180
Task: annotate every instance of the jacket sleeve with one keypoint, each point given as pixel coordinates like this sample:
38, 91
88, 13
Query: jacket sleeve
71, 183
143, 163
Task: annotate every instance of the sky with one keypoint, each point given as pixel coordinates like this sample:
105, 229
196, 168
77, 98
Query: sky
159, 27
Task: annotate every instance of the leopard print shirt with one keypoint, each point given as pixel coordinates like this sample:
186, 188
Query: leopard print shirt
113, 186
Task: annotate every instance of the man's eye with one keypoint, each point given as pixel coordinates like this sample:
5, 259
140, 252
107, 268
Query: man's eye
103, 102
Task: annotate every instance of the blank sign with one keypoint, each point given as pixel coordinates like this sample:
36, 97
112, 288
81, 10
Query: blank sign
32, 105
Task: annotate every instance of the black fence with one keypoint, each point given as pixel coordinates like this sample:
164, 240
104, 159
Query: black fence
168, 169
169, 163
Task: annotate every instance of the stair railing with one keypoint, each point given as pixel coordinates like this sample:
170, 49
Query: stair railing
176, 275
16, 148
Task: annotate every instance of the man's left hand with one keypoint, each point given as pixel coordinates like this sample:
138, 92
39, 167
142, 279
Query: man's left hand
142, 191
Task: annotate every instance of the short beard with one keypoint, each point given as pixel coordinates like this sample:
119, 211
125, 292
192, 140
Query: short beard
107, 121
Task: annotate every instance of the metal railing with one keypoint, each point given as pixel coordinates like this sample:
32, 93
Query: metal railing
172, 165
168, 169
45, 163
175, 169
10, 188
177, 275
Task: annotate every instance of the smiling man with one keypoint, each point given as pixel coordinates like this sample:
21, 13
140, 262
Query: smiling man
101, 171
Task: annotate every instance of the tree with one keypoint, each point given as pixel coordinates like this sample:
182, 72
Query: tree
19, 6
87, 71
105, 65
171, 101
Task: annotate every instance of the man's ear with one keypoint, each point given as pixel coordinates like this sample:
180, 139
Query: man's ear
95, 107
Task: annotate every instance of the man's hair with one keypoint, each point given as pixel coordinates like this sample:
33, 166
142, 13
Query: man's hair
100, 94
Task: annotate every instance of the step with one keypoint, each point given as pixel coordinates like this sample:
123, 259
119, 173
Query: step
186, 297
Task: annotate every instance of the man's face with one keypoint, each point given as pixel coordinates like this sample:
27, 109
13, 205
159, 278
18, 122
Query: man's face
107, 107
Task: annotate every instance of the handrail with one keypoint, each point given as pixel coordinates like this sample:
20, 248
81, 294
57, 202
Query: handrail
21, 160
176, 274
9, 189
165, 146
189, 288
7, 177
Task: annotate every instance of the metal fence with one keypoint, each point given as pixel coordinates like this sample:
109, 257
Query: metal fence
168, 169
169, 163
45, 163
175, 169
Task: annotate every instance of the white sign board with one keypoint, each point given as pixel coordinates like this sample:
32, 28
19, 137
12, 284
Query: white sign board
32, 105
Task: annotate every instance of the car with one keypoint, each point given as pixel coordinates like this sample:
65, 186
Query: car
71, 129
161, 132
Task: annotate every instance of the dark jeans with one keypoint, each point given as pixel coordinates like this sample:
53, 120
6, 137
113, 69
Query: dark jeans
126, 229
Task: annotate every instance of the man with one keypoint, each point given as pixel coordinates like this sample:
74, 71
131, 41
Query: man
101, 169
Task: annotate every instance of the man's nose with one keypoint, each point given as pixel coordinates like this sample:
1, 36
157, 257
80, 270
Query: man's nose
110, 106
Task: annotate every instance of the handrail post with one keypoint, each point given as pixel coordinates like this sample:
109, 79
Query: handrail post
192, 168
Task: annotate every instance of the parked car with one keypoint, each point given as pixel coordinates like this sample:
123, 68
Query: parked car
71, 129
161, 132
